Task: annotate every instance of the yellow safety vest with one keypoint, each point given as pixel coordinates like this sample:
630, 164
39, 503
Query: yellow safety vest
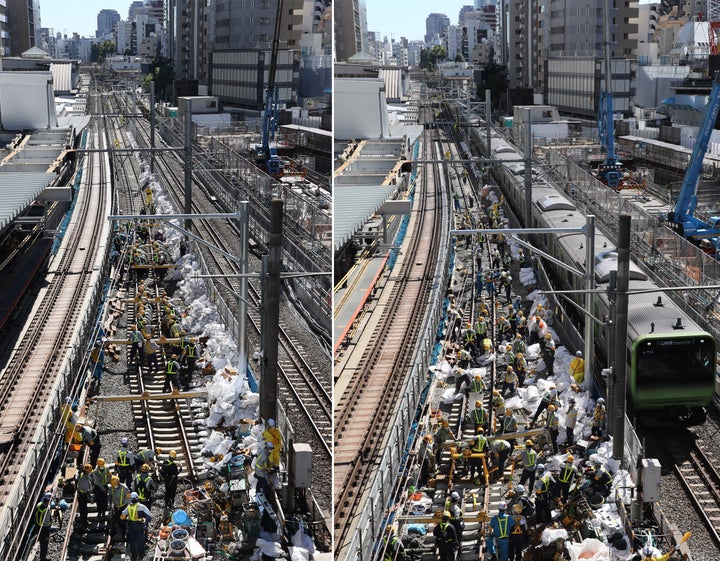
132, 513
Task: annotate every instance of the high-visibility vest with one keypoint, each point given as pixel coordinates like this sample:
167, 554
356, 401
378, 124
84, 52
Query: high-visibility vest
40, 514
479, 445
479, 416
529, 457
503, 526
567, 473
171, 367
123, 460
133, 513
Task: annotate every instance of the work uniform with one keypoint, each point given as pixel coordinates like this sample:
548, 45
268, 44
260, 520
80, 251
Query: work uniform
478, 417
518, 537
101, 480
501, 450
553, 425
43, 519
138, 516
170, 472
125, 465
598, 420
542, 499
394, 549
144, 457
570, 422
91, 439
479, 447
528, 457
567, 476
272, 435
172, 371
577, 370
502, 525
144, 486
136, 341
84, 487
446, 540
119, 497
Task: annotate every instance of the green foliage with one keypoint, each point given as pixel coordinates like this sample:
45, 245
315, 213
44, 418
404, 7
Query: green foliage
459, 58
494, 78
430, 57
162, 75
100, 51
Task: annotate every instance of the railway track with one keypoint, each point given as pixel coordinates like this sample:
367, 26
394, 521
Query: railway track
700, 478
367, 403
35, 371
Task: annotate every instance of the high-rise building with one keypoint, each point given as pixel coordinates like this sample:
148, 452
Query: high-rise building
4, 29
350, 35
435, 26
24, 22
106, 21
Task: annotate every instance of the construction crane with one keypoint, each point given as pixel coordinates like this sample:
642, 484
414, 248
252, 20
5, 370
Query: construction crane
713, 17
266, 156
610, 170
683, 218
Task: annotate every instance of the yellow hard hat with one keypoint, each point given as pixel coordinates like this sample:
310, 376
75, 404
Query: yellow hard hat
480, 430
145, 468
172, 454
508, 411
478, 377
517, 508
508, 347
478, 404
529, 442
570, 458
509, 368
114, 481
551, 407
100, 463
87, 467
446, 514
496, 392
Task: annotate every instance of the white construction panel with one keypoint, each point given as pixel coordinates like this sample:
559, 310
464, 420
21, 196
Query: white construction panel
27, 101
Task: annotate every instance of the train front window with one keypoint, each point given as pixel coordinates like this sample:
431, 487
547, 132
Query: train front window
675, 361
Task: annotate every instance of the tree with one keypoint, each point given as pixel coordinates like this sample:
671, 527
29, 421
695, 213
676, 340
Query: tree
162, 75
459, 58
494, 78
430, 57
99, 52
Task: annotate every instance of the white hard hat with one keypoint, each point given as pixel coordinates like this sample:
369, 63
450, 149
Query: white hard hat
134, 496
540, 467
124, 441
578, 353
502, 505
601, 400
647, 550
520, 489
455, 496
271, 422
269, 445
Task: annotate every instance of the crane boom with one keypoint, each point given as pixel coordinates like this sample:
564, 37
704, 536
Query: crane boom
683, 217
610, 170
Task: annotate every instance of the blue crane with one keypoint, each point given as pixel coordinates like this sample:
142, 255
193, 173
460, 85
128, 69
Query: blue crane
683, 218
610, 171
267, 156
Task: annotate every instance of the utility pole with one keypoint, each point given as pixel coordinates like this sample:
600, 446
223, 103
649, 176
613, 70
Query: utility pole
152, 125
271, 314
187, 115
621, 315
528, 166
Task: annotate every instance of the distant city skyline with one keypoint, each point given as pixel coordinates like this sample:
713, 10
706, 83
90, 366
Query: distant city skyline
78, 16
406, 18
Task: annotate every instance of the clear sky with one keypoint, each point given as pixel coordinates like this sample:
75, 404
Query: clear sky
69, 16
406, 18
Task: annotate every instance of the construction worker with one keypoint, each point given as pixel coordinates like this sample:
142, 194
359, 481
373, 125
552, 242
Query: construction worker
509, 356
138, 516
172, 371
272, 434
478, 417
119, 496
263, 469
528, 458
469, 338
519, 538
501, 450
150, 351
393, 547
146, 456
577, 368
520, 368
502, 524
442, 434
481, 327
521, 327
97, 360
84, 487
144, 485
90, 439
547, 353
125, 463
462, 379
454, 506
504, 329
43, 520
479, 446
478, 384
446, 542
169, 472
136, 344
552, 421
570, 421
426, 458
518, 497
518, 345
601, 479
510, 381
598, 419
567, 476
509, 426
101, 480
188, 359
498, 402
544, 485
549, 397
